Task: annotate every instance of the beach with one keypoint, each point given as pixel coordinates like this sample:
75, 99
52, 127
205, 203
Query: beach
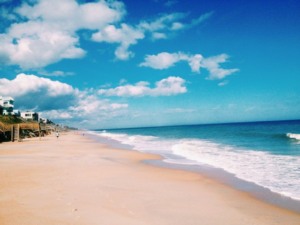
76, 180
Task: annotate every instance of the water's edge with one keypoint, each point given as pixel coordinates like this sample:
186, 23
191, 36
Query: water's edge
228, 179
220, 175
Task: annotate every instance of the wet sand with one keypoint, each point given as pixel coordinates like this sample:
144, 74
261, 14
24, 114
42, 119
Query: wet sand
76, 180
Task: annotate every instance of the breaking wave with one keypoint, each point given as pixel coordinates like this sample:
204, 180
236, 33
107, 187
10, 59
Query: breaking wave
293, 136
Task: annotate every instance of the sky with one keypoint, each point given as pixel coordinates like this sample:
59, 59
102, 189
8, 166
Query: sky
114, 64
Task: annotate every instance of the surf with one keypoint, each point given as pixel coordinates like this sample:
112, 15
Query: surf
293, 136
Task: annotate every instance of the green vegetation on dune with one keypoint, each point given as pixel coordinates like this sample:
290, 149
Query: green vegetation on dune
10, 119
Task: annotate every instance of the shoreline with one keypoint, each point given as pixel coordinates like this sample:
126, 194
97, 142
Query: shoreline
220, 175
258, 192
76, 180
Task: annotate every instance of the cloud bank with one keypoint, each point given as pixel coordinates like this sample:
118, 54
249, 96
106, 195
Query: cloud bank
45, 32
55, 99
60, 101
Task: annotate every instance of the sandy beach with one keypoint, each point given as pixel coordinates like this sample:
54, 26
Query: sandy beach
76, 180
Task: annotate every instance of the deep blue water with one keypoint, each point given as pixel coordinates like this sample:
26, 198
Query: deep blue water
265, 153
264, 136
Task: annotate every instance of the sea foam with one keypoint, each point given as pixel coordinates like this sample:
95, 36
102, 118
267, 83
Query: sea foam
278, 173
293, 136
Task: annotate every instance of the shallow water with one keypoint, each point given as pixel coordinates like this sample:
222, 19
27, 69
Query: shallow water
264, 153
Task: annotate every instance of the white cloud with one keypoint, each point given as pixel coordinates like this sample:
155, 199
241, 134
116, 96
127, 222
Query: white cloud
212, 64
177, 26
56, 100
223, 83
69, 15
47, 33
194, 62
158, 35
36, 44
200, 19
56, 73
24, 84
165, 87
139, 89
162, 60
38, 93
172, 22
166, 60
57, 114
85, 109
125, 36
89, 105
170, 86
163, 22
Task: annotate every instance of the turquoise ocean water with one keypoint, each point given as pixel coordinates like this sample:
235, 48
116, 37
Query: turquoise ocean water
264, 153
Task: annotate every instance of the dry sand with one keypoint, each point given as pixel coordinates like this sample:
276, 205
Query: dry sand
74, 180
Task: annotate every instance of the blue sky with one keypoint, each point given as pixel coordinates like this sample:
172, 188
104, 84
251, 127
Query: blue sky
110, 64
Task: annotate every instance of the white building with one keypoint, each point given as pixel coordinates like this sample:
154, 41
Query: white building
28, 115
7, 105
43, 120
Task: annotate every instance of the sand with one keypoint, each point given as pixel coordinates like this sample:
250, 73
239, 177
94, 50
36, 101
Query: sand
74, 180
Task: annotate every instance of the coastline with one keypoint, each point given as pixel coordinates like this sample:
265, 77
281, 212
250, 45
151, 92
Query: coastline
77, 180
168, 161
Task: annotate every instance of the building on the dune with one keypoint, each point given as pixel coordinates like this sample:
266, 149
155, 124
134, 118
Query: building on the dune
7, 108
29, 115
7, 105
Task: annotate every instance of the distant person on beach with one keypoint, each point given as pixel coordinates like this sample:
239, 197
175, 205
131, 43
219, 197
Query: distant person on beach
57, 134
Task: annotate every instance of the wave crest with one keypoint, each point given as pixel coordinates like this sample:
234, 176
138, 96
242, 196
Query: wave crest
293, 136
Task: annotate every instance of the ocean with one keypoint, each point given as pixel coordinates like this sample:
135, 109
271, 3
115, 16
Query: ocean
266, 154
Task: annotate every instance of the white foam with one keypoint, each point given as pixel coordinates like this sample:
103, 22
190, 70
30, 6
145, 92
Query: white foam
279, 173
293, 136
137, 142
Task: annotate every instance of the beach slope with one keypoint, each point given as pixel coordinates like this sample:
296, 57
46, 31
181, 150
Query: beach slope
75, 180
